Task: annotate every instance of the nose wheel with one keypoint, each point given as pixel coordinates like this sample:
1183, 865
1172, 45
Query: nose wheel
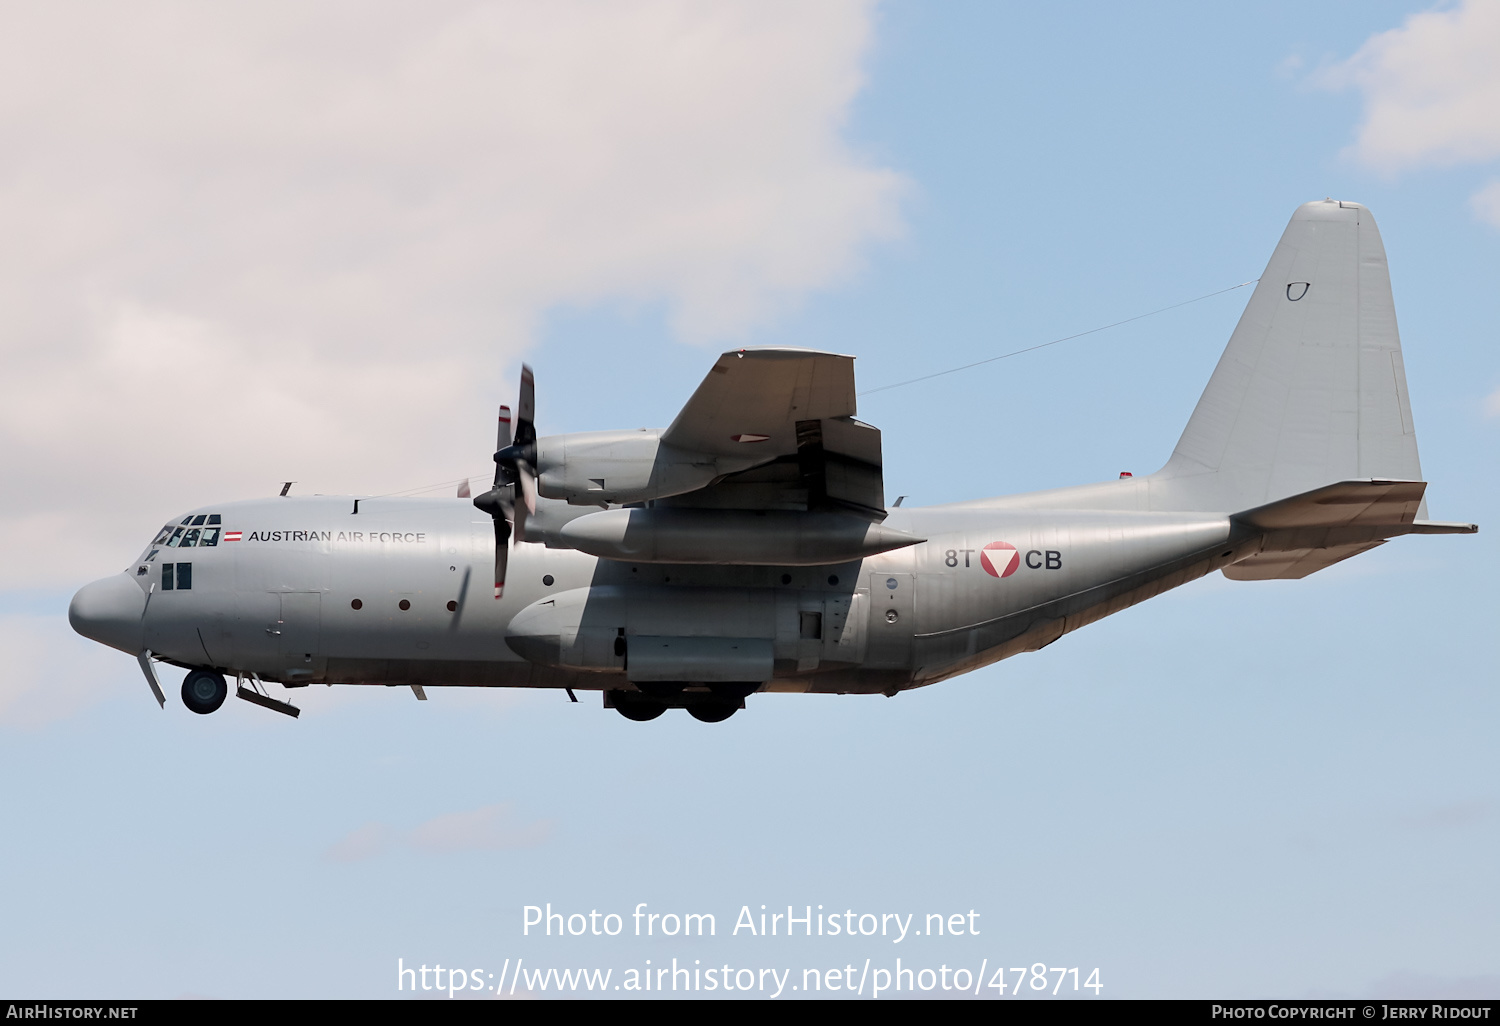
203, 691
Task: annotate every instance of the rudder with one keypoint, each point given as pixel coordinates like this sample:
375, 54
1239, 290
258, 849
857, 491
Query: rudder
1311, 389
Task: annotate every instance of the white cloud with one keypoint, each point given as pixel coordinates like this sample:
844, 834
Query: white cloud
1486, 203
1432, 94
257, 241
1457, 814
366, 842
1431, 88
490, 828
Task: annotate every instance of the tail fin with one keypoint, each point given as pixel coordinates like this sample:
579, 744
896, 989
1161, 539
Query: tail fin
1311, 389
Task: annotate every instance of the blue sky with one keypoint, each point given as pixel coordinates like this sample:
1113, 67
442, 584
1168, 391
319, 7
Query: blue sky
1235, 790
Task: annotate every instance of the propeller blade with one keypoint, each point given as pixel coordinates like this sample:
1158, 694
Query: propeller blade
527, 506
502, 553
502, 442
515, 476
528, 487
526, 408
463, 490
502, 439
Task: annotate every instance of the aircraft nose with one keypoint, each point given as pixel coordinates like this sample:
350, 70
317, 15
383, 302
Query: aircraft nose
109, 612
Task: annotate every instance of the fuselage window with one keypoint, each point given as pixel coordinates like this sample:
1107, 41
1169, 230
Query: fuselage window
187, 520
213, 518
166, 576
166, 532
210, 537
190, 539
176, 537
198, 520
184, 576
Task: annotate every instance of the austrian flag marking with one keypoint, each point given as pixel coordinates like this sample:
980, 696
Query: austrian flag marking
232, 536
999, 559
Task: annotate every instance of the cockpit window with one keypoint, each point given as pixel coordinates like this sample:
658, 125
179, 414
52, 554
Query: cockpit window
196, 530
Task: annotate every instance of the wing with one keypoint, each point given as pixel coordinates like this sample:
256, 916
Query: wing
790, 412
755, 397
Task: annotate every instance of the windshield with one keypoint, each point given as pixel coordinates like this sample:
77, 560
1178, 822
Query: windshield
200, 530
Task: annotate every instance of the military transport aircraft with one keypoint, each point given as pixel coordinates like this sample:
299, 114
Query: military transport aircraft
748, 547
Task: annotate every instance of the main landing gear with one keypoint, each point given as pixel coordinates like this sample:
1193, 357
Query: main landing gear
203, 691
707, 703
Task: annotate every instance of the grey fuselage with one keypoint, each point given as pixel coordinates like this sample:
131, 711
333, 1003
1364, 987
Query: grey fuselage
399, 592
1300, 453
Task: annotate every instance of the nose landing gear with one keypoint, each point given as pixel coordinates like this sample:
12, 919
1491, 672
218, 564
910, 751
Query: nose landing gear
203, 691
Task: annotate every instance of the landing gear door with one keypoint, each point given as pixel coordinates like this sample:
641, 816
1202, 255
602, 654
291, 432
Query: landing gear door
891, 620
300, 631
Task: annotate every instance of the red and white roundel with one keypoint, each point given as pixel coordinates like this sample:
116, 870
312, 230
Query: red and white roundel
999, 559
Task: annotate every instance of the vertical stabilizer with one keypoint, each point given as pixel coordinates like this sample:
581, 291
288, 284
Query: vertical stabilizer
1311, 389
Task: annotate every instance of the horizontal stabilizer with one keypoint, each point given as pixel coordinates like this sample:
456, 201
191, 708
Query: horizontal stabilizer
1340, 505
1442, 527
1293, 565
1305, 533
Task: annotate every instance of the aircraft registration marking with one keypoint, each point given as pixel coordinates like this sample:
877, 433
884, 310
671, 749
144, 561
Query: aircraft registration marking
1001, 559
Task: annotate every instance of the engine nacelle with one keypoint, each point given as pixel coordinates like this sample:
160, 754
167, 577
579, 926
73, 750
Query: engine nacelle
730, 537
598, 468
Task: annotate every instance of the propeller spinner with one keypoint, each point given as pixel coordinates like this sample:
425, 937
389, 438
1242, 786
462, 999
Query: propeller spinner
513, 496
